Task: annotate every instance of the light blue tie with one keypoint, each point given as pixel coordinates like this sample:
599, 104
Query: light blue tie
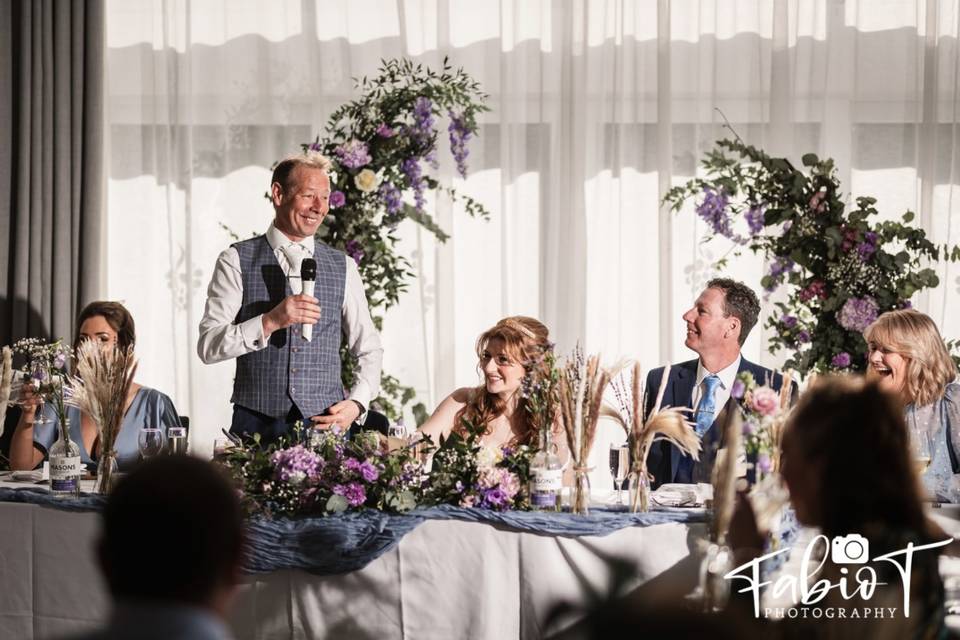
706, 410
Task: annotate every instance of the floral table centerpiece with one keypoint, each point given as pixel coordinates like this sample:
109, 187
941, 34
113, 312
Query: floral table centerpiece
323, 473
764, 415
841, 267
467, 474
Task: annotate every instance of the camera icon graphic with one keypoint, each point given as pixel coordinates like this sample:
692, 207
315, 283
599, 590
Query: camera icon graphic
850, 549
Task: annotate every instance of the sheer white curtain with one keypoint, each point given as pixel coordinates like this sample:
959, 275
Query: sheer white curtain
597, 108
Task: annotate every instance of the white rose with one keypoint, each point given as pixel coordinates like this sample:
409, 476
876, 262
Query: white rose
488, 457
366, 181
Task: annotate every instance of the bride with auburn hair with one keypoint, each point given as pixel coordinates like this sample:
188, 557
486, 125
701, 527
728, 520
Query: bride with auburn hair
511, 353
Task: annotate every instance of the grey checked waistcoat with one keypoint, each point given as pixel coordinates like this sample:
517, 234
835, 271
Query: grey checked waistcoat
290, 370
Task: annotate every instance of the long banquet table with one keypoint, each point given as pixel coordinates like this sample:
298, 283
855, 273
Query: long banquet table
446, 578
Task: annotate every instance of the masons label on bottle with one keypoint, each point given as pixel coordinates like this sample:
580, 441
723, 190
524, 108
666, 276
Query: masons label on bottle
65, 473
545, 485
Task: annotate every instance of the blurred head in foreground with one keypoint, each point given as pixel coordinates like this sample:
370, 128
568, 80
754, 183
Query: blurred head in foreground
846, 459
173, 534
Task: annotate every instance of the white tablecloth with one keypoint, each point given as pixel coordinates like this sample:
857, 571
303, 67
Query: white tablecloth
446, 579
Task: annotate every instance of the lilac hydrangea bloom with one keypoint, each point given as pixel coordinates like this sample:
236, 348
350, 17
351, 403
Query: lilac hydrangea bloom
385, 130
353, 492
295, 464
337, 199
841, 360
353, 154
857, 313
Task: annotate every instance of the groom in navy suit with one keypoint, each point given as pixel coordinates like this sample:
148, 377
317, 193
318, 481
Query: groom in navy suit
717, 326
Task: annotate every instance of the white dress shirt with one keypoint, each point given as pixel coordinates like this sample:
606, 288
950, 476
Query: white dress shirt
222, 339
727, 376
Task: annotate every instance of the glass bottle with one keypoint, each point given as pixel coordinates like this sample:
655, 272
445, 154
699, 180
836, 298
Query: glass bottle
546, 475
65, 465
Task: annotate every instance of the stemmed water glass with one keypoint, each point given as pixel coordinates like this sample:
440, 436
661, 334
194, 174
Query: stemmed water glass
150, 442
619, 467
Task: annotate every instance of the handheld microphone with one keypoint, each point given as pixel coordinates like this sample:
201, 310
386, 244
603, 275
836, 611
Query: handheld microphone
308, 276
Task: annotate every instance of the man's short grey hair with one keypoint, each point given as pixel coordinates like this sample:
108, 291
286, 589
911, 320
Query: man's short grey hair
309, 160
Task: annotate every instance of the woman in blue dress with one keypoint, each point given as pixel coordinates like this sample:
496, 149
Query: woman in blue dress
908, 356
112, 325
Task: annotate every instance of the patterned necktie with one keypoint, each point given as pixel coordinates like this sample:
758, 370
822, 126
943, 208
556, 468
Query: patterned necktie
706, 410
293, 252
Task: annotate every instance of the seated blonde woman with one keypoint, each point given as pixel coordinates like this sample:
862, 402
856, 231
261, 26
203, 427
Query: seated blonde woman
908, 357
509, 352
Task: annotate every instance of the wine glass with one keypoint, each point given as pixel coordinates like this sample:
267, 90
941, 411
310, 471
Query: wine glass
150, 442
619, 466
920, 446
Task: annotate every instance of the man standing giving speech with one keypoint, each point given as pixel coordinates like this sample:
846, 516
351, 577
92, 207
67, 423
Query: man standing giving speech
717, 326
256, 311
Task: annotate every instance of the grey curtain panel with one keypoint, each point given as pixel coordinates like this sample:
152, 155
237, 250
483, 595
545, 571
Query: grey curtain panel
51, 168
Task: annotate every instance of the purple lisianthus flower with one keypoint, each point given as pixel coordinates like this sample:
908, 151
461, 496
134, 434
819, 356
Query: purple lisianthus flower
369, 472
354, 250
789, 321
738, 389
60, 360
337, 199
803, 336
857, 313
764, 464
385, 130
841, 360
353, 154
295, 464
749, 427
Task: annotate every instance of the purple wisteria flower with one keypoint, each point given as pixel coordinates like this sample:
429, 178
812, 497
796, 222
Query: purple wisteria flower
778, 267
391, 198
354, 250
315, 146
738, 389
337, 199
841, 360
459, 137
412, 172
385, 130
353, 154
713, 210
857, 313
295, 464
754, 218
423, 116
